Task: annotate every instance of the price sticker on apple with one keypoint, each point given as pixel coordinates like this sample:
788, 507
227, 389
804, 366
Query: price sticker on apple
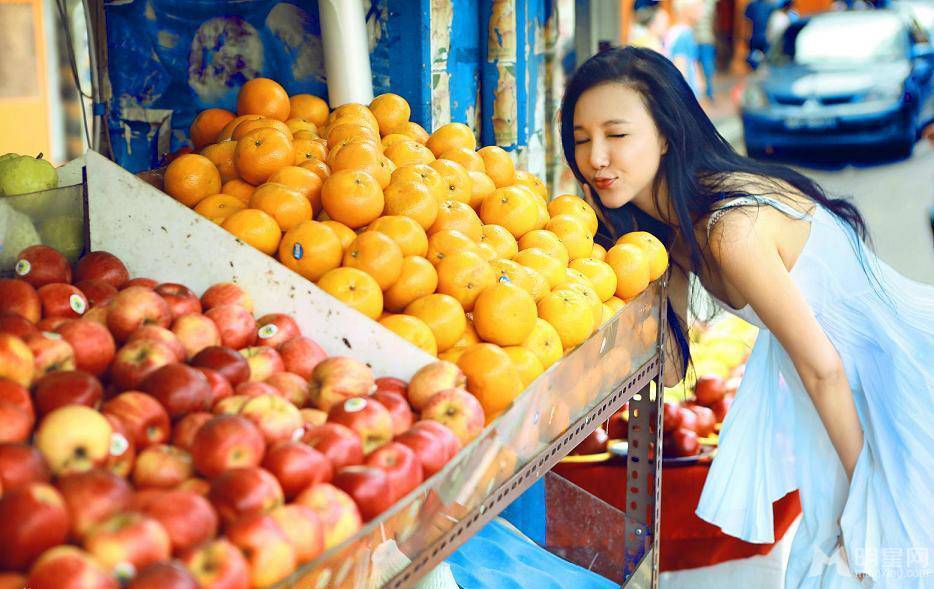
355, 404
23, 267
267, 331
77, 304
118, 444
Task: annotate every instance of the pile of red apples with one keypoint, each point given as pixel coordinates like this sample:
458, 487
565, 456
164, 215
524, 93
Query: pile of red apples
685, 423
152, 438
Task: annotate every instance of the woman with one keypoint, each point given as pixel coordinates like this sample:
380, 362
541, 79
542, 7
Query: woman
836, 397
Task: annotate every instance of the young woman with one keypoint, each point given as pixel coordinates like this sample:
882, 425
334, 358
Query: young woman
836, 400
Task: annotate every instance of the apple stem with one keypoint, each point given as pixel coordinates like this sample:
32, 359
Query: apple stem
39, 157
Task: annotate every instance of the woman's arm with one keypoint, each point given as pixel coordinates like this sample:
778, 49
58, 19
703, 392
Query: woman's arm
750, 262
678, 299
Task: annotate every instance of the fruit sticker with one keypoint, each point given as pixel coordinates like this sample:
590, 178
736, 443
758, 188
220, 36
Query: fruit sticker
267, 331
77, 304
297, 251
23, 267
118, 444
355, 404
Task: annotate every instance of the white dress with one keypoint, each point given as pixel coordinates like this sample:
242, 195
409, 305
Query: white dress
773, 442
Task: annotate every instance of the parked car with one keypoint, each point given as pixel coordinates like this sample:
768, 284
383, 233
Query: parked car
842, 79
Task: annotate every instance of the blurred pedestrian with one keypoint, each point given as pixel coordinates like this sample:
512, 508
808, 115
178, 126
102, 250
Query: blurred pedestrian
781, 18
757, 20
681, 46
650, 25
706, 43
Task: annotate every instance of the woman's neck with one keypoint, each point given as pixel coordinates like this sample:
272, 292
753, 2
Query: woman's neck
657, 204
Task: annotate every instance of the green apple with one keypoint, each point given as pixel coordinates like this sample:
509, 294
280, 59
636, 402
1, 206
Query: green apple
26, 175
64, 233
16, 234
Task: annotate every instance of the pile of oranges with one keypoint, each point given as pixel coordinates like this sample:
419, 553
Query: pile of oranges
450, 247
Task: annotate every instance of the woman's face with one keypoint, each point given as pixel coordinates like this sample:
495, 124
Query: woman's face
617, 146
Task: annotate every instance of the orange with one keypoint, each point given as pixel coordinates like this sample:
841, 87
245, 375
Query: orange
317, 166
443, 315
413, 200
208, 125
260, 123
526, 362
390, 110
548, 241
344, 132
412, 329
413, 130
614, 303
306, 134
509, 271
545, 343
308, 149
262, 96
345, 234
222, 156
491, 377
504, 314
653, 249
309, 107
303, 181
499, 165
417, 279
569, 204
469, 337
538, 284
355, 288
598, 252
352, 197
360, 155
310, 249
532, 181
596, 305
451, 135
542, 212
392, 139
404, 153
219, 206
464, 275
447, 242
576, 276
486, 251
550, 267
511, 208
260, 153
459, 216
451, 354
570, 313
354, 111
288, 207
227, 132
465, 157
632, 269
256, 228
236, 187
572, 233
190, 178
406, 232
298, 124
376, 254
422, 174
600, 274
480, 188
457, 182
500, 239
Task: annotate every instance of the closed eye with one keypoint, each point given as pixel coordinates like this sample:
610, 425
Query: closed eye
617, 135
580, 141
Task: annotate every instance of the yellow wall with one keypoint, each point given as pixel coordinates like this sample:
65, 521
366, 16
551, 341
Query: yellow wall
24, 92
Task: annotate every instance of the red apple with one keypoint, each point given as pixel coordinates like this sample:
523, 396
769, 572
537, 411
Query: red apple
263, 361
451, 443
67, 387
683, 443
457, 409
62, 300
14, 581
104, 266
16, 325
127, 542
40, 265
428, 449
226, 293
146, 419
434, 377
220, 387
618, 428
268, 550
97, 292
245, 491
339, 515
225, 442
721, 407
236, 325
188, 518
97, 315
226, 361
21, 465
303, 528
17, 394
142, 281
137, 360
339, 444
671, 417
50, 352
392, 384
368, 418
339, 378
688, 419
402, 467
297, 466
134, 307
183, 434
705, 420
399, 409
68, 567
179, 388
195, 485
218, 565
20, 298
32, 519
709, 389
180, 298
161, 466
154, 333
276, 329
16, 360
254, 389
594, 443
92, 343
231, 405
74, 438
50, 323
164, 575
275, 417
300, 355
313, 417
16, 423
122, 447
369, 487
196, 332
93, 496
290, 386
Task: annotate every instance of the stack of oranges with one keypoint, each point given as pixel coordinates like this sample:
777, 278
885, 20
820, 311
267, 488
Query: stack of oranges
448, 246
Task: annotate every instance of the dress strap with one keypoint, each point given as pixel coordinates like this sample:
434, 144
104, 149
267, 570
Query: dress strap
750, 200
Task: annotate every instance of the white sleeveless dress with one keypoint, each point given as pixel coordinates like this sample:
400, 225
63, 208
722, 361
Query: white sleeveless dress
773, 442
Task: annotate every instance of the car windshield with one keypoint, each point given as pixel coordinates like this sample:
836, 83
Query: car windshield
840, 39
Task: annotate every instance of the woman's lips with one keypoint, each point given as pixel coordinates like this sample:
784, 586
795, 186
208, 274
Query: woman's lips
603, 183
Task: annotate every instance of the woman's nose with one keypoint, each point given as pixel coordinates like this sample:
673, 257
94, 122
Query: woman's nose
599, 157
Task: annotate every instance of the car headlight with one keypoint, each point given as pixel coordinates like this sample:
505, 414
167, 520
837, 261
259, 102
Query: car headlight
893, 92
754, 97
